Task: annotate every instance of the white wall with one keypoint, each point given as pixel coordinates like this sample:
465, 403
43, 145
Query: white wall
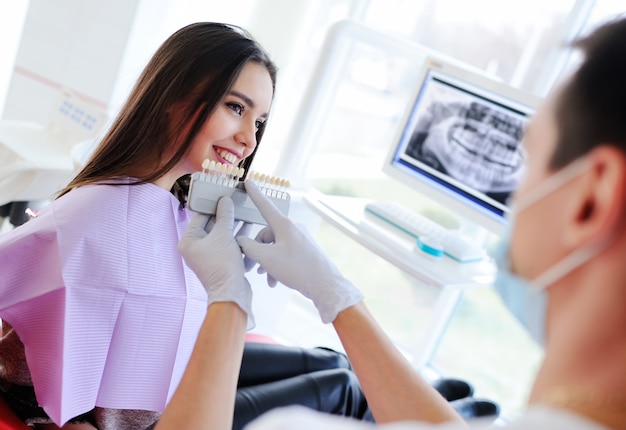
12, 16
77, 44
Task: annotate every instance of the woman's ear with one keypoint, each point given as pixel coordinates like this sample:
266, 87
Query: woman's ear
599, 207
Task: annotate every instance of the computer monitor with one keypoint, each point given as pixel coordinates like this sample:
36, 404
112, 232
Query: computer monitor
460, 142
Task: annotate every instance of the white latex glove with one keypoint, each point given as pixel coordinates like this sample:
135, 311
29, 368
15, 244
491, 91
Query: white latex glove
289, 255
209, 249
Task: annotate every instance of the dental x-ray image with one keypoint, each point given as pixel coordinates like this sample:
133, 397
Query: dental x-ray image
463, 136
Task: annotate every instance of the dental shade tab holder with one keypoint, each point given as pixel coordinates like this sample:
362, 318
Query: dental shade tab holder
217, 180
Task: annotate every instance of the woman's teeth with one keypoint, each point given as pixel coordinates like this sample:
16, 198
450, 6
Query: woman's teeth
228, 156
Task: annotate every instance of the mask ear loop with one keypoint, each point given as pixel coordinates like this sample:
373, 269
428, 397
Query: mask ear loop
553, 183
569, 263
579, 256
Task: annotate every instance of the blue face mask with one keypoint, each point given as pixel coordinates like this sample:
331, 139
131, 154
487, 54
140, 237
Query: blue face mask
526, 299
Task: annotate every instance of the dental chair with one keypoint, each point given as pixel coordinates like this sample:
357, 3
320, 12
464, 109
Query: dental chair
35, 159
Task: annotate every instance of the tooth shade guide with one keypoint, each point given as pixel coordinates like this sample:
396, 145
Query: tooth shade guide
220, 173
274, 185
271, 186
206, 189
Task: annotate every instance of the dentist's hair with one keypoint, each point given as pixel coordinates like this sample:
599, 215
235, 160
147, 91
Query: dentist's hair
591, 107
188, 75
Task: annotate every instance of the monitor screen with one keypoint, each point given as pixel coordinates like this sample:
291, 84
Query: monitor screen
460, 142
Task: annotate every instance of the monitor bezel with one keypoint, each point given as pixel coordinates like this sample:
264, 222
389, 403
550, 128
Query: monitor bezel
469, 207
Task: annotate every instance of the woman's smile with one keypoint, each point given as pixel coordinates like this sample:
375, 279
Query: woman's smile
226, 156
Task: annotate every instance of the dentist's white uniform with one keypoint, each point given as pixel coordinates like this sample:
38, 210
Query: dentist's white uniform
305, 419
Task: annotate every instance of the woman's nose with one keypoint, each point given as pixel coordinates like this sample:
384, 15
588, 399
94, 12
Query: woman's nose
247, 136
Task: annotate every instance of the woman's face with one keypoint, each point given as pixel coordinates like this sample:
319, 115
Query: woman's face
229, 134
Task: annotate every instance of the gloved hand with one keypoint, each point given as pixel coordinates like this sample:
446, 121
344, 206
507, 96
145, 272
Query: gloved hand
289, 255
209, 249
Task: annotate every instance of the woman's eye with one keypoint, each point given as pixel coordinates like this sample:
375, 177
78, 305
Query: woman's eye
235, 107
259, 124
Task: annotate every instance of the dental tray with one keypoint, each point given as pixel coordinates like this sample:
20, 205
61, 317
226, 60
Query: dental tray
217, 180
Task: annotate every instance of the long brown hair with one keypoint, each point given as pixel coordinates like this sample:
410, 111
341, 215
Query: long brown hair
195, 68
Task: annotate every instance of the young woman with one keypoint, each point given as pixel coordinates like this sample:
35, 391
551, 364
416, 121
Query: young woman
101, 310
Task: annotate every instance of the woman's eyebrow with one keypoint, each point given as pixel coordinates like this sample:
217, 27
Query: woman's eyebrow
246, 99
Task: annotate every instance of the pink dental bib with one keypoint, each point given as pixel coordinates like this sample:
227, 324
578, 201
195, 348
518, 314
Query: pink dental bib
99, 295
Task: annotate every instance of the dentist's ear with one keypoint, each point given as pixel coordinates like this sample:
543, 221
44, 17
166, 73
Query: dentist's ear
600, 203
